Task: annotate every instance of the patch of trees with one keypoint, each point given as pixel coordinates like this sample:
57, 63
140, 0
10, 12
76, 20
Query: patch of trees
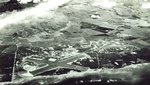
10, 6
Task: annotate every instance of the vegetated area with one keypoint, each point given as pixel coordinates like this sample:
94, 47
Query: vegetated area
75, 42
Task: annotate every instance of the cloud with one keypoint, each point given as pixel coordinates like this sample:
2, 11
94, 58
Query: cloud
38, 11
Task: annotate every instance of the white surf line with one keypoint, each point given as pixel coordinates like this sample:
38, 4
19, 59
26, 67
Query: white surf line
38, 11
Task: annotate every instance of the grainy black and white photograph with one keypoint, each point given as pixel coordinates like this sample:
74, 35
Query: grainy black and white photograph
74, 42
